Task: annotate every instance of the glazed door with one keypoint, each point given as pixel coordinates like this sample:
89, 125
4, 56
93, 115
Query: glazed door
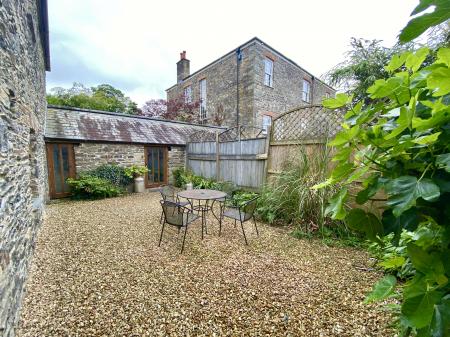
61, 165
156, 162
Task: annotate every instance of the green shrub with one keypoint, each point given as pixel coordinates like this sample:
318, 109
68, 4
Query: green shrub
288, 198
178, 176
111, 172
399, 145
90, 187
135, 171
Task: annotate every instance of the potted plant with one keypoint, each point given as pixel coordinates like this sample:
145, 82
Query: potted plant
137, 172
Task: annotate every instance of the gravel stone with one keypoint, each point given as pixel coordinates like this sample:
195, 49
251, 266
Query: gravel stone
97, 271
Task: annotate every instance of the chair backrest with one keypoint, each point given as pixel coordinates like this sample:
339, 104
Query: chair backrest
173, 213
248, 209
167, 193
228, 188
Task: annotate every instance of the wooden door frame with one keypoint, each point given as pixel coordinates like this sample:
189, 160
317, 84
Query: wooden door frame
51, 168
166, 165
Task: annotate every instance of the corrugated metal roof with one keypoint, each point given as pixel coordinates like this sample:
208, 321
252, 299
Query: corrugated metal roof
90, 125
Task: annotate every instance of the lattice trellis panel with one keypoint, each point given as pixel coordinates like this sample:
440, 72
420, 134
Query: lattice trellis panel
307, 123
241, 132
202, 136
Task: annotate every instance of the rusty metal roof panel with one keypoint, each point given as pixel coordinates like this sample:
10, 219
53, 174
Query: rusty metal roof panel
74, 124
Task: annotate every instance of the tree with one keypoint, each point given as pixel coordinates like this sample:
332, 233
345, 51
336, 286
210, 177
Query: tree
178, 109
102, 97
363, 65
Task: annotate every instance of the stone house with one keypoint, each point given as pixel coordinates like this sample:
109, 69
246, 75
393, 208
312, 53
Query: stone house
262, 84
79, 140
24, 58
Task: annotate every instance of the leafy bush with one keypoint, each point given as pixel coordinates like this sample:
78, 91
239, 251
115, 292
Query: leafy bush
178, 176
90, 187
289, 198
135, 171
111, 172
401, 146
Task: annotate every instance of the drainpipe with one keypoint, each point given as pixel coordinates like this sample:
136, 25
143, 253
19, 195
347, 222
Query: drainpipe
238, 61
313, 80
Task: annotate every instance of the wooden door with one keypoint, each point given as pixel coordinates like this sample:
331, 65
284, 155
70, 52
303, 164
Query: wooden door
61, 165
156, 162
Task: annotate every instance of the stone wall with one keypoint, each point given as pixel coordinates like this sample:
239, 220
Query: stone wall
23, 175
255, 98
91, 155
286, 92
221, 87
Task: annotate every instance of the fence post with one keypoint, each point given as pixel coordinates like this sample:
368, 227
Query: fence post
266, 163
217, 157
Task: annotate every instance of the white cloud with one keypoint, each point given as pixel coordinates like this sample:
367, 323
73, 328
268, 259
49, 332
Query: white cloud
135, 44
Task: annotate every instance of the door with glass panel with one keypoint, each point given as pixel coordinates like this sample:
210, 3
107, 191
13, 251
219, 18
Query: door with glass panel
61, 165
156, 162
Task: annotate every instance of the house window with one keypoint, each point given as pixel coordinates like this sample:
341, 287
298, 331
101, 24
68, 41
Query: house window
306, 93
266, 122
268, 72
188, 94
203, 114
327, 95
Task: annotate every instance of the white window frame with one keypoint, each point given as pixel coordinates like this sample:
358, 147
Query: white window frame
306, 91
266, 122
188, 94
203, 95
268, 72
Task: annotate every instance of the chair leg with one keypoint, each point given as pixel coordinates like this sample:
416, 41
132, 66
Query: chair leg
256, 227
243, 232
162, 230
184, 238
220, 224
235, 222
178, 230
161, 218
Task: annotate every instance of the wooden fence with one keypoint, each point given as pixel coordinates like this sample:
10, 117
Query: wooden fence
237, 155
246, 157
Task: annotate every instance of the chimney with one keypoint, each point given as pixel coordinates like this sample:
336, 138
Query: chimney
183, 67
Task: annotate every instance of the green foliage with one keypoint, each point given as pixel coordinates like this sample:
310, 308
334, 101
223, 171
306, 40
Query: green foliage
382, 289
102, 97
135, 171
400, 144
111, 172
288, 198
89, 187
420, 24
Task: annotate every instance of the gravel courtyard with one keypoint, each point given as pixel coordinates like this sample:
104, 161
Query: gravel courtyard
98, 271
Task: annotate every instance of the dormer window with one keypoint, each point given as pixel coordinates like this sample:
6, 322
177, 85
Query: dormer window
268, 72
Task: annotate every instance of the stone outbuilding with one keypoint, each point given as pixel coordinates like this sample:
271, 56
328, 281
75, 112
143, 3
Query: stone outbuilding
78, 140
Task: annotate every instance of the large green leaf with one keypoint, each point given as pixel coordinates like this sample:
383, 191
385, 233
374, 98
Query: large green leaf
404, 122
337, 102
366, 222
415, 60
428, 264
393, 262
439, 81
424, 140
397, 61
420, 24
405, 190
443, 55
336, 205
382, 289
443, 160
345, 136
419, 310
440, 324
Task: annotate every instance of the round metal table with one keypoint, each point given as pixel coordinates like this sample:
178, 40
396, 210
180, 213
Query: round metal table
204, 197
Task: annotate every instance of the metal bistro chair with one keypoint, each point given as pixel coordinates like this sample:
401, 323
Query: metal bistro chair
242, 214
169, 193
178, 216
228, 188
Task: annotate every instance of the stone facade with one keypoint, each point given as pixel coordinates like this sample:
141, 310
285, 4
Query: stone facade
255, 98
23, 175
88, 156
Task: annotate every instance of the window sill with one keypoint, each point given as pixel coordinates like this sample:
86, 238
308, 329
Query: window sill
268, 86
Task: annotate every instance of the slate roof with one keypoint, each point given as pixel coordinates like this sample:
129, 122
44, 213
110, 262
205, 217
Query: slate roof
73, 124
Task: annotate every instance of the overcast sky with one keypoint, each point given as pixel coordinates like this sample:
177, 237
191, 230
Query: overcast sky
135, 44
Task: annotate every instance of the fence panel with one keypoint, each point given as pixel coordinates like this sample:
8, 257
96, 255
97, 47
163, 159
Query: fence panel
241, 161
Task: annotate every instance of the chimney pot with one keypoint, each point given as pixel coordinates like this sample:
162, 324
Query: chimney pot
183, 69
